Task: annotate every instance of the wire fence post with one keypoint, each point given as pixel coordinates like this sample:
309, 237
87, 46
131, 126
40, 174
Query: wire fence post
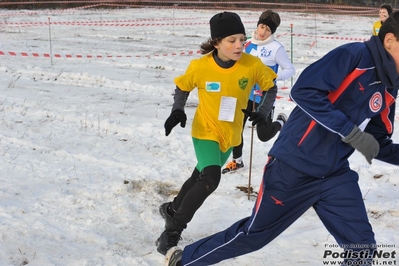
174, 7
51, 48
292, 50
315, 28
251, 151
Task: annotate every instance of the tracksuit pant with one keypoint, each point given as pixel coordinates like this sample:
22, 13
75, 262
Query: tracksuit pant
285, 194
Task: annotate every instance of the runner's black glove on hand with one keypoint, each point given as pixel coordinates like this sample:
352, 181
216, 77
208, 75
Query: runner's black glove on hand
176, 117
256, 117
363, 142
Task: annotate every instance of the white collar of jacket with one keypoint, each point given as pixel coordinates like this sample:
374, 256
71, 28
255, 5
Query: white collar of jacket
255, 40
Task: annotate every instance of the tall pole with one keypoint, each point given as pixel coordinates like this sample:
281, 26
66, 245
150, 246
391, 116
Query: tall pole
315, 29
51, 48
250, 154
292, 51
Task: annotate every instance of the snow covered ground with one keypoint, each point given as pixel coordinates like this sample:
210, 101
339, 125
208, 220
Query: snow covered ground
83, 156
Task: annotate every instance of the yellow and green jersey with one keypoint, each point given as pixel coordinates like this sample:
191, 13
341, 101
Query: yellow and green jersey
376, 27
221, 90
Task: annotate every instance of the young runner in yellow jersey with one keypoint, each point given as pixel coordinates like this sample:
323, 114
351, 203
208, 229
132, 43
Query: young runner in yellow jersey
224, 78
383, 13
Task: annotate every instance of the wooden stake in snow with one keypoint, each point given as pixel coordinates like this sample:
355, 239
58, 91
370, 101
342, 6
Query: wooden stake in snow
51, 48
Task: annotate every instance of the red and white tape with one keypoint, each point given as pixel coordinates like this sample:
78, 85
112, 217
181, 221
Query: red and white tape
91, 56
100, 24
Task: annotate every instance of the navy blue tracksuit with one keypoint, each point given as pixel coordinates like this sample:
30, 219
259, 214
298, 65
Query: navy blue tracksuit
308, 164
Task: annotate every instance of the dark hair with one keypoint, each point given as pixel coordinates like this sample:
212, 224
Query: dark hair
209, 45
272, 16
391, 25
387, 7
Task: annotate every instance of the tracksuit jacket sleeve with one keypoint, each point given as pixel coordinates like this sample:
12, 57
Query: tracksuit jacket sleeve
311, 90
389, 151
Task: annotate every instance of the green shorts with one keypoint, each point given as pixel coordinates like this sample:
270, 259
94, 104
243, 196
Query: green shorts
208, 153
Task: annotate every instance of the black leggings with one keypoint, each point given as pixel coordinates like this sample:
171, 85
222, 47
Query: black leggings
269, 130
194, 192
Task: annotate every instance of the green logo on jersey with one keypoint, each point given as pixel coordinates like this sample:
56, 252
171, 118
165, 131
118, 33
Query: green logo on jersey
243, 83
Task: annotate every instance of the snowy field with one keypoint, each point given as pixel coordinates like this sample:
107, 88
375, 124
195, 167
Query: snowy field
83, 156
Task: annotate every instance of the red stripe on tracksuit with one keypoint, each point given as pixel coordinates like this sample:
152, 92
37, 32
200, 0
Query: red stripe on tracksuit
260, 192
384, 114
333, 96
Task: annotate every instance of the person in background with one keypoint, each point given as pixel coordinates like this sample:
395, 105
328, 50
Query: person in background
345, 102
384, 12
223, 76
273, 54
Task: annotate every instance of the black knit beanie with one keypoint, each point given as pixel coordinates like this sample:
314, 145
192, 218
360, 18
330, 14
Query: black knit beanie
269, 23
387, 7
226, 24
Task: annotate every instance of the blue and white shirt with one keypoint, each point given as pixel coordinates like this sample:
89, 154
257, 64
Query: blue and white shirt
272, 54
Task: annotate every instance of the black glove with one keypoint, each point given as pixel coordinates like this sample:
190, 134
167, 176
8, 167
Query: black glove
176, 117
363, 142
256, 117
